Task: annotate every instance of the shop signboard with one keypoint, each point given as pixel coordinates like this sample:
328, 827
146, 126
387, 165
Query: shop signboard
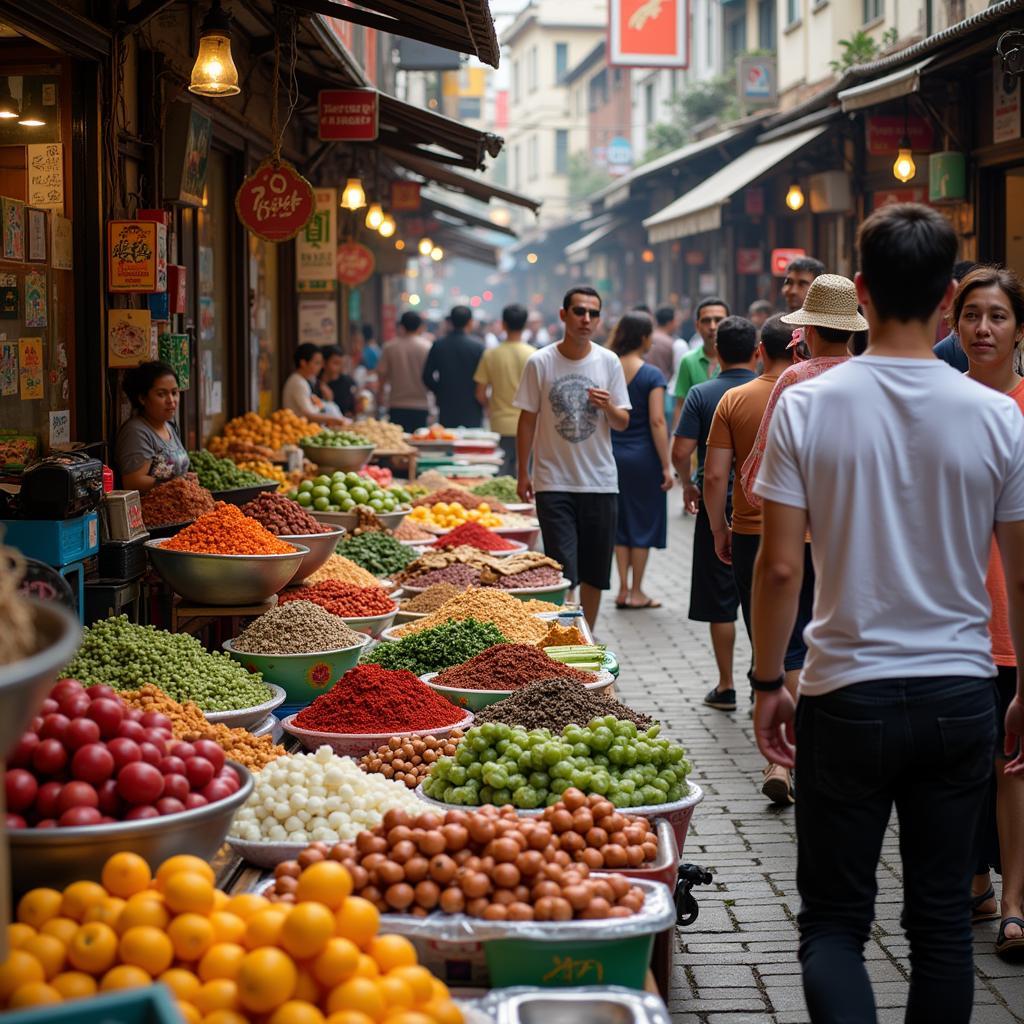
355, 263
749, 261
275, 202
348, 115
1005, 106
45, 166
884, 132
136, 256
947, 177
756, 81
405, 196
781, 258
316, 242
649, 33
906, 194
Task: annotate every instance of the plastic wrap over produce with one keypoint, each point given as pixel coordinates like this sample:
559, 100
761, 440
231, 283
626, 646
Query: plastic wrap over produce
503, 1006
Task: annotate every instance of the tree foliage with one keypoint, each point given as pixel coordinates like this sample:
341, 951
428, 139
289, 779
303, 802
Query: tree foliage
714, 98
859, 49
585, 178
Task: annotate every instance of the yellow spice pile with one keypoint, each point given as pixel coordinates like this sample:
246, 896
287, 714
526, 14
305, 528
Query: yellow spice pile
561, 636
337, 567
486, 604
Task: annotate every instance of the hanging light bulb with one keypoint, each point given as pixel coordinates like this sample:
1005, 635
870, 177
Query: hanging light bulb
214, 72
904, 168
399, 244
425, 246
353, 197
795, 197
374, 216
437, 254
8, 104
387, 226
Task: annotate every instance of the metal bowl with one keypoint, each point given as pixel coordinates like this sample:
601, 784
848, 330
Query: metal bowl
243, 495
58, 856
357, 744
224, 579
321, 547
477, 700
348, 520
351, 458
246, 718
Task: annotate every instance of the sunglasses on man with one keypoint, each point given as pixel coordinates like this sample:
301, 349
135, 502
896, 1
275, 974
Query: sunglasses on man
582, 311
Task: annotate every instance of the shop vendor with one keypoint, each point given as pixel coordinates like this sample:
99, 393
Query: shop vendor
149, 450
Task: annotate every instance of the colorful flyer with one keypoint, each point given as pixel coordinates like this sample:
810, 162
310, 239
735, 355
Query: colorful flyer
30, 359
35, 299
46, 176
128, 336
134, 255
60, 242
8, 368
13, 211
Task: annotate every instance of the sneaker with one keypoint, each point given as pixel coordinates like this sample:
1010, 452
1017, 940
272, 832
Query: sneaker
723, 700
778, 785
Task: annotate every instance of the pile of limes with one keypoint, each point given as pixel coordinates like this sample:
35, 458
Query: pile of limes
341, 492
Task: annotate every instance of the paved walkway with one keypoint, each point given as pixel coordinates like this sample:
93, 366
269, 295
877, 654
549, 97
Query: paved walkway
738, 962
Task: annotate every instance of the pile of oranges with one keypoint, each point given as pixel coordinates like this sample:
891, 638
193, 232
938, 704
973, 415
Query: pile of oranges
226, 959
447, 516
274, 431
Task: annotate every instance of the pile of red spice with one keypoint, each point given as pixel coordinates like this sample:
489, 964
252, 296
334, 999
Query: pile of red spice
369, 699
509, 667
344, 599
476, 536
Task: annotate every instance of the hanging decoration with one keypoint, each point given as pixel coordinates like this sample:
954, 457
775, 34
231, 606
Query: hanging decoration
214, 72
355, 263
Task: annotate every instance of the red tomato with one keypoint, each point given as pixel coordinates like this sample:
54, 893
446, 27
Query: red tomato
49, 707
199, 772
142, 811
78, 816
77, 794
107, 713
47, 823
229, 776
169, 805
124, 751
211, 751
151, 753
176, 786
46, 799
22, 753
49, 757
155, 720
21, 788
66, 688
110, 802
75, 705
195, 800
133, 715
101, 690
15, 821
54, 726
93, 763
216, 790
171, 765
81, 731
131, 730
140, 783
183, 750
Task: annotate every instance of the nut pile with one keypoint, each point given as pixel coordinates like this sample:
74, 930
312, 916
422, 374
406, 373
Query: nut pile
407, 759
282, 516
484, 605
180, 500
431, 599
389, 436
338, 567
296, 627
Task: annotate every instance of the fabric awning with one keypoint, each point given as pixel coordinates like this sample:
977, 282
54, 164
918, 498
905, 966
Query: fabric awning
894, 86
460, 243
464, 217
433, 136
578, 251
700, 209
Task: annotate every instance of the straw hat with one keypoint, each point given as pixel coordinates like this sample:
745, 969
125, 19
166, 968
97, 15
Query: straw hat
831, 301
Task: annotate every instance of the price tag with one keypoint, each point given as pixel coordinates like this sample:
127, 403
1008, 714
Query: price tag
275, 201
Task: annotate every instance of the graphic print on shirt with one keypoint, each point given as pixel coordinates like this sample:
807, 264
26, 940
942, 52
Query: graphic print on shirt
575, 417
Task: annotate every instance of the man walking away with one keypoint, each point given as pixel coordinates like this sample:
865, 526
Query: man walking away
948, 349
702, 362
449, 369
798, 277
902, 467
571, 396
499, 372
713, 596
400, 372
759, 312
659, 355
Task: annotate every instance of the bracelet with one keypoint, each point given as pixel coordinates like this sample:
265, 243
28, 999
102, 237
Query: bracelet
762, 686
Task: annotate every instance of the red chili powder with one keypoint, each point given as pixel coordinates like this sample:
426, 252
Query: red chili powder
371, 699
476, 536
344, 599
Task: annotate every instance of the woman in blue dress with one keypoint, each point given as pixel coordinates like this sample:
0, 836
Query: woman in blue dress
642, 456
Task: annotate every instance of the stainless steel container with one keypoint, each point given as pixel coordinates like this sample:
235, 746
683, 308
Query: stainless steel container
321, 547
351, 459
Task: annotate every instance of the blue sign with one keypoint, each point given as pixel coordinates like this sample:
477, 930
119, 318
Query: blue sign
620, 152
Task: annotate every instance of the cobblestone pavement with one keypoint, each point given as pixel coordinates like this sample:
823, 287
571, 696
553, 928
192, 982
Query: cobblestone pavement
737, 962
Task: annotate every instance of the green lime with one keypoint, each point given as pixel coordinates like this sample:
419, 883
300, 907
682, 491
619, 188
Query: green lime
305, 499
321, 504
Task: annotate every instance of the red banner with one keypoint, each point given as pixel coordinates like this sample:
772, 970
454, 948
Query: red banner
275, 201
649, 33
355, 263
405, 196
348, 115
885, 131
781, 258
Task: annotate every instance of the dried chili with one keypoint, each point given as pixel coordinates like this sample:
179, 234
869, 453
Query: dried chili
475, 536
344, 599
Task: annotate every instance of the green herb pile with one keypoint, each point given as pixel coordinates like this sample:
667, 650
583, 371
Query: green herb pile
376, 552
221, 474
126, 656
501, 487
437, 648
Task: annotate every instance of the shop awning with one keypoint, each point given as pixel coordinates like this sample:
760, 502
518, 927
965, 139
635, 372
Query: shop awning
433, 136
700, 209
463, 217
578, 251
894, 86
459, 243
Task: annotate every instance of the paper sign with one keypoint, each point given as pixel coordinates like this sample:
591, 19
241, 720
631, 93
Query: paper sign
60, 427
46, 176
1005, 106
10, 308
8, 368
316, 242
60, 242
128, 337
133, 257
348, 115
38, 234
13, 211
35, 299
30, 358
318, 322
647, 34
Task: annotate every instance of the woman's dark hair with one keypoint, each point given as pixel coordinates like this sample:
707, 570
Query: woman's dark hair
987, 276
306, 351
139, 380
632, 330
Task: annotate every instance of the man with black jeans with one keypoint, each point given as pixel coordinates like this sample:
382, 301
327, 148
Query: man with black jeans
903, 466
449, 369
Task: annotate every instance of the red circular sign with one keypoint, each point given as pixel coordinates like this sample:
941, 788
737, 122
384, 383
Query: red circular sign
275, 201
355, 263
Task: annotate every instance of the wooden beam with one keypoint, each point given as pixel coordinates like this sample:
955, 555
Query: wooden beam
55, 24
138, 16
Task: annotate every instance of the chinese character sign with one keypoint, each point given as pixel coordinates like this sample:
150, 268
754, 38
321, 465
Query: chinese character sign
316, 242
649, 33
355, 263
46, 176
275, 202
348, 115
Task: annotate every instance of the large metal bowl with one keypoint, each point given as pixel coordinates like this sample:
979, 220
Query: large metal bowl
351, 458
243, 495
321, 547
348, 520
224, 579
248, 718
58, 856
24, 684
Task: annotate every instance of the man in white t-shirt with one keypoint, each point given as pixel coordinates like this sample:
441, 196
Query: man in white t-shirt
571, 396
900, 467
298, 395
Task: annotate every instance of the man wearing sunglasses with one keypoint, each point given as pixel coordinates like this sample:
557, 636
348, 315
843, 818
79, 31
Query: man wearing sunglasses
571, 396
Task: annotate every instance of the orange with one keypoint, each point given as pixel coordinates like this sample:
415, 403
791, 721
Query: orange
391, 951
189, 891
396, 992
419, 979
125, 874
245, 904
74, 985
79, 897
295, 1011
18, 933
227, 927
62, 928
358, 920
225, 1017
266, 979
124, 976
367, 967
19, 967
443, 1011
191, 935
221, 961
182, 862
358, 994
148, 948
264, 927
189, 1014
337, 962
140, 910
34, 993
349, 1017
408, 1017
306, 929
108, 911
49, 951
183, 983
326, 882
37, 906
94, 948
306, 988
441, 989
220, 899
218, 994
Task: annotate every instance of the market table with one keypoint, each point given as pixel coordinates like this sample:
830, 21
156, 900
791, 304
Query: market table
191, 618
409, 457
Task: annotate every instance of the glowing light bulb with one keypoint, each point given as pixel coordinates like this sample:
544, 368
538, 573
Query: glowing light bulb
353, 197
425, 246
374, 216
214, 72
437, 254
795, 197
387, 226
904, 168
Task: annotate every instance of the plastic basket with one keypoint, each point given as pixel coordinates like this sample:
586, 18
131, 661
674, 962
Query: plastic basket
153, 1004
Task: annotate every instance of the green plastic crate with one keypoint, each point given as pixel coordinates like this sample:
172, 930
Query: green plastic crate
152, 1005
559, 964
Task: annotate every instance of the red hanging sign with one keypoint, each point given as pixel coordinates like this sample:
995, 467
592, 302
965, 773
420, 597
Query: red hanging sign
405, 196
275, 201
348, 115
355, 263
781, 258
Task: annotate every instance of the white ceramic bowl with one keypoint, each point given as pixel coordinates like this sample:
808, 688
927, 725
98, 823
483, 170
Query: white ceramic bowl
373, 625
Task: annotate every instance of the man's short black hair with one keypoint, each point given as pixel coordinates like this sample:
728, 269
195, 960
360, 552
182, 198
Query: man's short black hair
641, 307
460, 316
664, 315
411, 321
806, 265
760, 306
368, 334
736, 340
583, 289
305, 352
711, 300
514, 317
963, 267
330, 350
833, 335
775, 336
906, 253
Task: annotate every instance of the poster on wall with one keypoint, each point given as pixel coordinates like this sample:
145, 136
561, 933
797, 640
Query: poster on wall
136, 256
13, 213
316, 242
45, 168
35, 299
30, 360
207, 318
8, 367
61, 247
10, 307
1005, 106
128, 337
37, 235
318, 321
60, 427
186, 153
649, 33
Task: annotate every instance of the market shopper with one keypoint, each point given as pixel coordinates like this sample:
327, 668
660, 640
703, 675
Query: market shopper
298, 391
701, 363
758, 312
642, 461
400, 373
571, 396
148, 448
497, 380
659, 353
797, 279
948, 348
334, 384
713, 595
448, 372
902, 467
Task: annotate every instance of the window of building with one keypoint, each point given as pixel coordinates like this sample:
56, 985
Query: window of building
561, 151
532, 160
766, 24
469, 108
515, 81
649, 103
735, 41
873, 9
597, 90
561, 60
531, 70
792, 11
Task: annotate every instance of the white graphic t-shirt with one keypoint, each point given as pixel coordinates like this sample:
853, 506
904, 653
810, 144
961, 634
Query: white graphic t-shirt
572, 450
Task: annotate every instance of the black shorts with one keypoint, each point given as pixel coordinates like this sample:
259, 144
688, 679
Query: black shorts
713, 594
1006, 690
579, 532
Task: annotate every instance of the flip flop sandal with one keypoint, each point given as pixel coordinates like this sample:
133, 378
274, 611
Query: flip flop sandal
649, 603
983, 915
1005, 945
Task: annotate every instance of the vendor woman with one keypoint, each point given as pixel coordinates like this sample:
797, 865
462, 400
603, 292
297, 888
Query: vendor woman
149, 450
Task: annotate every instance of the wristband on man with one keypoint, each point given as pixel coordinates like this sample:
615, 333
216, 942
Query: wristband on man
765, 686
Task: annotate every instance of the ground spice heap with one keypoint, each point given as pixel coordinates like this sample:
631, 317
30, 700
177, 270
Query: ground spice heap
370, 699
555, 703
450, 495
459, 576
227, 531
562, 636
296, 627
544, 576
485, 605
408, 530
431, 599
476, 536
343, 599
180, 500
509, 667
338, 567
282, 516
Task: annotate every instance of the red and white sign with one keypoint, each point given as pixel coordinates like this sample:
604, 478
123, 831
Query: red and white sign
908, 194
275, 201
649, 33
405, 196
348, 115
781, 258
885, 131
355, 263
749, 261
